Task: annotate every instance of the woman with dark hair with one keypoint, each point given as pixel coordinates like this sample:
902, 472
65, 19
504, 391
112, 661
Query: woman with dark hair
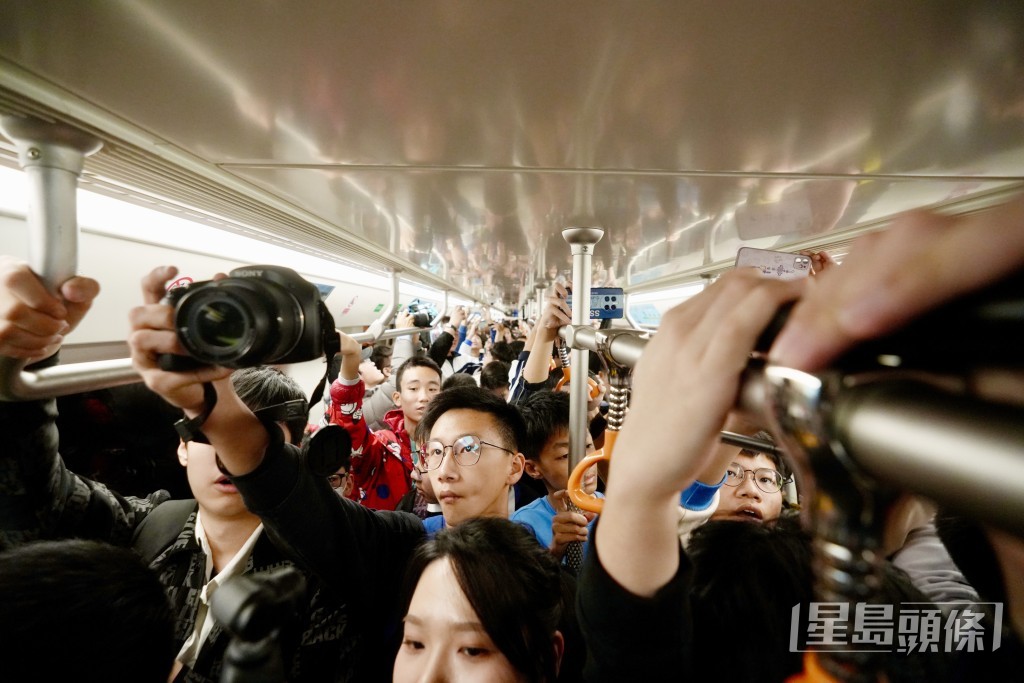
441, 352
486, 604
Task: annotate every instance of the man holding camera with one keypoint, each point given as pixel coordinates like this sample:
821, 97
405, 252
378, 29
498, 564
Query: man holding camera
195, 546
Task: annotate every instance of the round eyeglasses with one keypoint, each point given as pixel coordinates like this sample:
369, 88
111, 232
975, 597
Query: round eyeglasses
465, 450
337, 480
768, 480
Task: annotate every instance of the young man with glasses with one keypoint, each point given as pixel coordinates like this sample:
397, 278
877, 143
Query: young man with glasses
341, 482
470, 441
753, 487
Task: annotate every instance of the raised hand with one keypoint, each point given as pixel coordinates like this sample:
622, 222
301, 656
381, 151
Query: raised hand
33, 320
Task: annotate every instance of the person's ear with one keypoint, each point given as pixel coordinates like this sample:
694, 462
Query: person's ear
396, 396
558, 642
516, 469
183, 453
531, 467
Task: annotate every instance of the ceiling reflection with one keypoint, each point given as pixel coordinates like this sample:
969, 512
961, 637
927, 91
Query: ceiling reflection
463, 137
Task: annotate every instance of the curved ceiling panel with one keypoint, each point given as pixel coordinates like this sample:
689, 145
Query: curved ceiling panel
462, 137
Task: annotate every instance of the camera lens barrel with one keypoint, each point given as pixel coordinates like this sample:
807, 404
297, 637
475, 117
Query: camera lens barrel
239, 322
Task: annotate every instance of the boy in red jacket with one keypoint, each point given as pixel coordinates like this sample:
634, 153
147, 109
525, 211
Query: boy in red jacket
382, 460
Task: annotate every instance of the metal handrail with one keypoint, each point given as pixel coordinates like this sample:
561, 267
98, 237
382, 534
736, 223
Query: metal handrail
52, 156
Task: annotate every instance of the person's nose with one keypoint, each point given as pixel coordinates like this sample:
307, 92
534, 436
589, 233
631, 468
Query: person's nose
435, 670
449, 469
748, 488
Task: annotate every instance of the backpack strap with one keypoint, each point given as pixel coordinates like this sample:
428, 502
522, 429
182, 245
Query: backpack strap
161, 527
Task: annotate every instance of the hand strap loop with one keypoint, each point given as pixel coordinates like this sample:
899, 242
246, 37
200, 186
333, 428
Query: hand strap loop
188, 429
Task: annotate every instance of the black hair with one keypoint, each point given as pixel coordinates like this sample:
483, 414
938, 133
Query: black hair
781, 466
264, 386
513, 584
517, 346
415, 362
459, 379
75, 605
494, 375
503, 351
506, 417
381, 352
546, 413
753, 574
440, 349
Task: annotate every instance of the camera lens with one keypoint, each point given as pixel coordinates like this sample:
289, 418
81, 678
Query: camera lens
220, 324
239, 323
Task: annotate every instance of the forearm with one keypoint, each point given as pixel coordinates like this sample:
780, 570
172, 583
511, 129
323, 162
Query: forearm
401, 351
350, 365
537, 365
616, 623
336, 538
378, 403
42, 498
725, 453
237, 434
638, 543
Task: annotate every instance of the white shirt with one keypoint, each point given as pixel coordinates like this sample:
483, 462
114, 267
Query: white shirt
204, 620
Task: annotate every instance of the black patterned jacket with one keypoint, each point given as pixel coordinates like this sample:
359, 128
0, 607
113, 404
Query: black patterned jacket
347, 629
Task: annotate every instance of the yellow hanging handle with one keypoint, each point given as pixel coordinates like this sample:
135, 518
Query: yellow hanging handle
594, 389
582, 499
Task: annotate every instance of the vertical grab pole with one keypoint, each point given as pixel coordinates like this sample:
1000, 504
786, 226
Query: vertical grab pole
581, 243
53, 155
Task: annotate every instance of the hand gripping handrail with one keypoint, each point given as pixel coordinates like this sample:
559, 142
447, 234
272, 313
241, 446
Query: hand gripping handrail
621, 350
53, 155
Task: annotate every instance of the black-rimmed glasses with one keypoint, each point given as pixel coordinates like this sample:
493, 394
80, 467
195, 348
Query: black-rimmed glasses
466, 451
766, 479
337, 480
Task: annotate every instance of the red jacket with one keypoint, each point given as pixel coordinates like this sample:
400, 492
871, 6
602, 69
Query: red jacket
381, 460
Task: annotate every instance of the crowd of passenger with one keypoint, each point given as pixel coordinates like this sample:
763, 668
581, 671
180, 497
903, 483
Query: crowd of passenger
443, 546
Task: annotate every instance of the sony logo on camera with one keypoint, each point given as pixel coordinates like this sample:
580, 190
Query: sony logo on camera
257, 315
248, 271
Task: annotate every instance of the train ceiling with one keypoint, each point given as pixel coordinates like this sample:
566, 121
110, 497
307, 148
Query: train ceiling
456, 140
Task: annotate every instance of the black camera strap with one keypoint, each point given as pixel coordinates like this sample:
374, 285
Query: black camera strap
332, 346
189, 430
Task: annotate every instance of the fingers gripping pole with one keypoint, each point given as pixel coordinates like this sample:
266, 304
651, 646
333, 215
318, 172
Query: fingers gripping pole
52, 155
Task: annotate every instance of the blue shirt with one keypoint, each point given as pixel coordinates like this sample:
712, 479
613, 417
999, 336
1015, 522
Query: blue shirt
698, 496
537, 517
433, 525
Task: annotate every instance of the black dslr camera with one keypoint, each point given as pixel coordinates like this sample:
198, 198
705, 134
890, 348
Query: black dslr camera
258, 315
422, 313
